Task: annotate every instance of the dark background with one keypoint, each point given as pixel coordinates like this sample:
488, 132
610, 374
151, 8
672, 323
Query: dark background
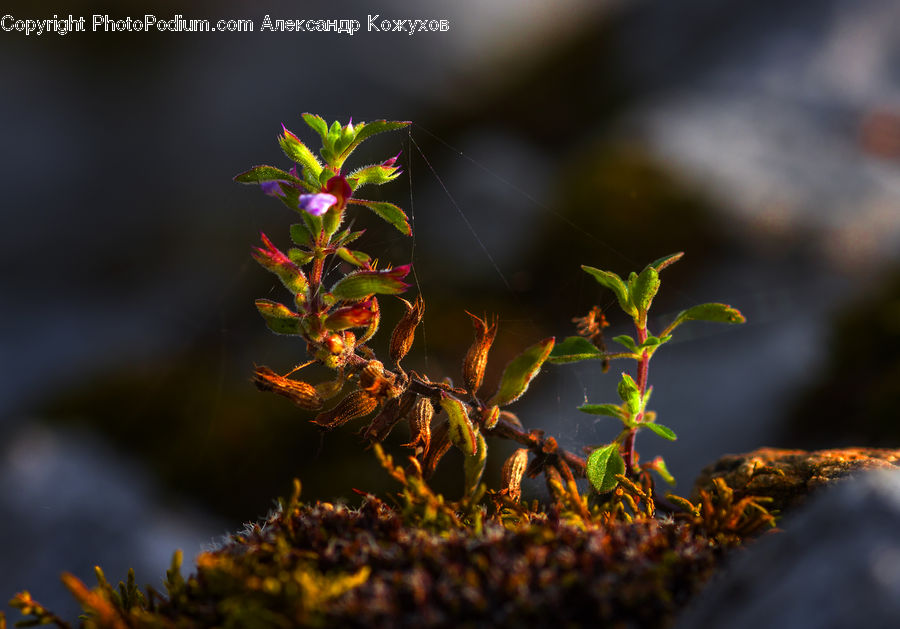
763, 140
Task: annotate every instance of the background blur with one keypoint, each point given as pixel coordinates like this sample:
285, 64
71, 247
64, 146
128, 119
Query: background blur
762, 139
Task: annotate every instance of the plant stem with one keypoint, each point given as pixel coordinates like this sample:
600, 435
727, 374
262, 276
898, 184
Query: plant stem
643, 368
315, 276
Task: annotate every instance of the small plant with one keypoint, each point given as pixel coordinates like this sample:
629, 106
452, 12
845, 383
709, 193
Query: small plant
324, 316
439, 414
634, 296
430, 561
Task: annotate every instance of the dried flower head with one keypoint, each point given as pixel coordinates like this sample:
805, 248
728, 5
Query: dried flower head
356, 404
404, 333
513, 471
300, 393
420, 424
476, 357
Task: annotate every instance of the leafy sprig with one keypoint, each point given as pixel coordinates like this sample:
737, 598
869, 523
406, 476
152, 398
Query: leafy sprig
635, 296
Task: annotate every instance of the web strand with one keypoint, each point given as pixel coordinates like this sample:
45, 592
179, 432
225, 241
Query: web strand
462, 215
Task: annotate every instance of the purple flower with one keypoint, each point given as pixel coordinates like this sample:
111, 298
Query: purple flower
272, 188
317, 204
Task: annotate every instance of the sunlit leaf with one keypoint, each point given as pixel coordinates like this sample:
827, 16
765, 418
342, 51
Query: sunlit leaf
364, 283
627, 342
613, 282
659, 466
610, 410
317, 124
663, 431
388, 212
260, 174
279, 318
665, 261
520, 371
473, 466
602, 466
298, 152
462, 430
628, 391
645, 288
574, 349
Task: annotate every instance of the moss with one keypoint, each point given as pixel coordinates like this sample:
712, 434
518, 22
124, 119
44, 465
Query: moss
427, 562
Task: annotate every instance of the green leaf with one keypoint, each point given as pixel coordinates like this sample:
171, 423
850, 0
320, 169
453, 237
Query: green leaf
346, 237
331, 221
627, 342
654, 341
260, 174
720, 313
279, 318
300, 256
613, 282
659, 466
312, 223
366, 130
645, 288
301, 235
297, 151
388, 212
520, 371
574, 349
462, 430
364, 283
665, 261
473, 466
610, 410
317, 124
376, 174
663, 431
602, 466
356, 258
628, 391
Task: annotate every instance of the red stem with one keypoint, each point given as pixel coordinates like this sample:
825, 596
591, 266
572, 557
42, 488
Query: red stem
643, 368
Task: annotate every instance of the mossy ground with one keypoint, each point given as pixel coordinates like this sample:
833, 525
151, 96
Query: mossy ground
424, 562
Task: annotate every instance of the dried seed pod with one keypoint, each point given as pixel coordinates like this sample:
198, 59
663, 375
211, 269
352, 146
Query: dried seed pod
384, 422
420, 424
300, 393
476, 357
513, 471
357, 404
371, 374
394, 410
330, 388
404, 333
440, 443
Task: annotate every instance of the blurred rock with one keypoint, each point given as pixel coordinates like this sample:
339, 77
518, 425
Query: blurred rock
69, 502
836, 564
790, 476
855, 397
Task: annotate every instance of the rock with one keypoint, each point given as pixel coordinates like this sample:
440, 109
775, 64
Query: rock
789, 476
836, 563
